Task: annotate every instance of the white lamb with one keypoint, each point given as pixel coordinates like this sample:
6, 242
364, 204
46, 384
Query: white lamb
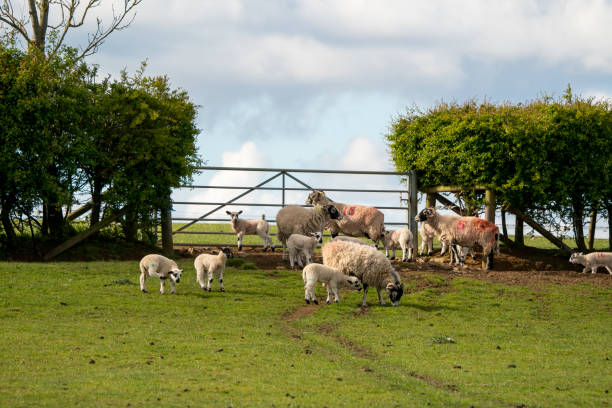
160, 267
593, 261
351, 239
294, 219
399, 238
299, 244
211, 264
332, 278
250, 227
368, 264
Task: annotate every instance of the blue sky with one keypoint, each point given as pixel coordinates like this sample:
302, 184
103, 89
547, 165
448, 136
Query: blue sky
316, 84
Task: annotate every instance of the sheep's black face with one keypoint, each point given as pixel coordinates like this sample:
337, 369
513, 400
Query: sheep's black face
395, 293
333, 212
424, 215
175, 275
228, 252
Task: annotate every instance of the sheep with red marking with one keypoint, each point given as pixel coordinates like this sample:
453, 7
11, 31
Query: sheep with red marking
465, 232
593, 261
357, 220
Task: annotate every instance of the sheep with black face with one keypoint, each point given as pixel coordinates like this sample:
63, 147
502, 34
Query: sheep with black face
368, 264
160, 267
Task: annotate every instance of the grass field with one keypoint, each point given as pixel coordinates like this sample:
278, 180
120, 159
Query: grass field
82, 334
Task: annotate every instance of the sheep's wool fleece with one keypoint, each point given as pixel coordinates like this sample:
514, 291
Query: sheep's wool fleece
158, 264
366, 262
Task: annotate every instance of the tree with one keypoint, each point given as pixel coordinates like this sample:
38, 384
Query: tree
48, 22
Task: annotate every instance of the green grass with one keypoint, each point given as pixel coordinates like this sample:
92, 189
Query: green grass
82, 334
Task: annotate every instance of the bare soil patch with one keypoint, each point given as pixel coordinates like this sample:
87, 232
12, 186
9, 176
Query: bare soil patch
526, 267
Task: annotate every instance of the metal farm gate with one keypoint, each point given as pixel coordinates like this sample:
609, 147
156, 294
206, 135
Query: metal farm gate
407, 198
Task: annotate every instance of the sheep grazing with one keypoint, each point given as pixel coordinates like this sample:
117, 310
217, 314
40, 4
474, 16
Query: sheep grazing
465, 232
351, 239
211, 264
294, 219
401, 238
593, 261
250, 227
368, 264
332, 278
357, 220
301, 244
160, 267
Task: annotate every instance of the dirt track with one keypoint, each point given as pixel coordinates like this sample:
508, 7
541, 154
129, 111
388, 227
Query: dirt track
527, 267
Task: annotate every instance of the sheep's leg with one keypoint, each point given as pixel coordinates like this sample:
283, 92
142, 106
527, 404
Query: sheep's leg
461, 255
308, 257
404, 250
310, 292
609, 269
240, 235
594, 269
393, 252
365, 293
380, 298
386, 252
162, 290
422, 248
299, 259
586, 268
200, 278
172, 288
143, 278
221, 287
488, 256
210, 280
443, 247
409, 253
291, 257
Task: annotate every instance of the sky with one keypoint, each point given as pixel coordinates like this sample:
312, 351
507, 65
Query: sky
313, 84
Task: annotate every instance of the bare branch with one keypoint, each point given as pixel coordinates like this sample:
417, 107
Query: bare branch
7, 15
117, 24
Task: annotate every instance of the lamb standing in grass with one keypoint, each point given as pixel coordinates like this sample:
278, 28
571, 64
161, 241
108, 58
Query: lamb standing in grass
299, 244
332, 278
368, 264
294, 219
401, 238
250, 227
211, 265
357, 220
593, 261
160, 267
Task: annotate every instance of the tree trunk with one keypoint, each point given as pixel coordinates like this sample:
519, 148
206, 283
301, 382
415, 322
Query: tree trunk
610, 227
130, 225
577, 223
503, 220
11, 236
519, 237
96, 199
55, 221
592, 226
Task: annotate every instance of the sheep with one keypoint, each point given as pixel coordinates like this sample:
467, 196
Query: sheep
332, 278
212, 264
161, 267
463, 231
351, 239
368, 264
294, 219
593, 261
357, 220
301, 244
250, 227
402, 238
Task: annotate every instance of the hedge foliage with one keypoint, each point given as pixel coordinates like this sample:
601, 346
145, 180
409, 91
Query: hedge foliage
544, 156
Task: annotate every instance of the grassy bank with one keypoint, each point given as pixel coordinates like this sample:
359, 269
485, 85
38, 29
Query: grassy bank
82, 334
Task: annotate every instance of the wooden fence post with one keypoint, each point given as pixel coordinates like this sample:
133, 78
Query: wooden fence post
430, 200
166, 225
412, 209
490, 205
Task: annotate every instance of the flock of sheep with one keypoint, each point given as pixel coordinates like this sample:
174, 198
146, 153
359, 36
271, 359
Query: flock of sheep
349, 261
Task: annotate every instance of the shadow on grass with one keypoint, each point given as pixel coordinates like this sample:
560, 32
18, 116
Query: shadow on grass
428, 308
230, 293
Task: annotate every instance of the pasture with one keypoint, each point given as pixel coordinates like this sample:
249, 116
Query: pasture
82, 334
